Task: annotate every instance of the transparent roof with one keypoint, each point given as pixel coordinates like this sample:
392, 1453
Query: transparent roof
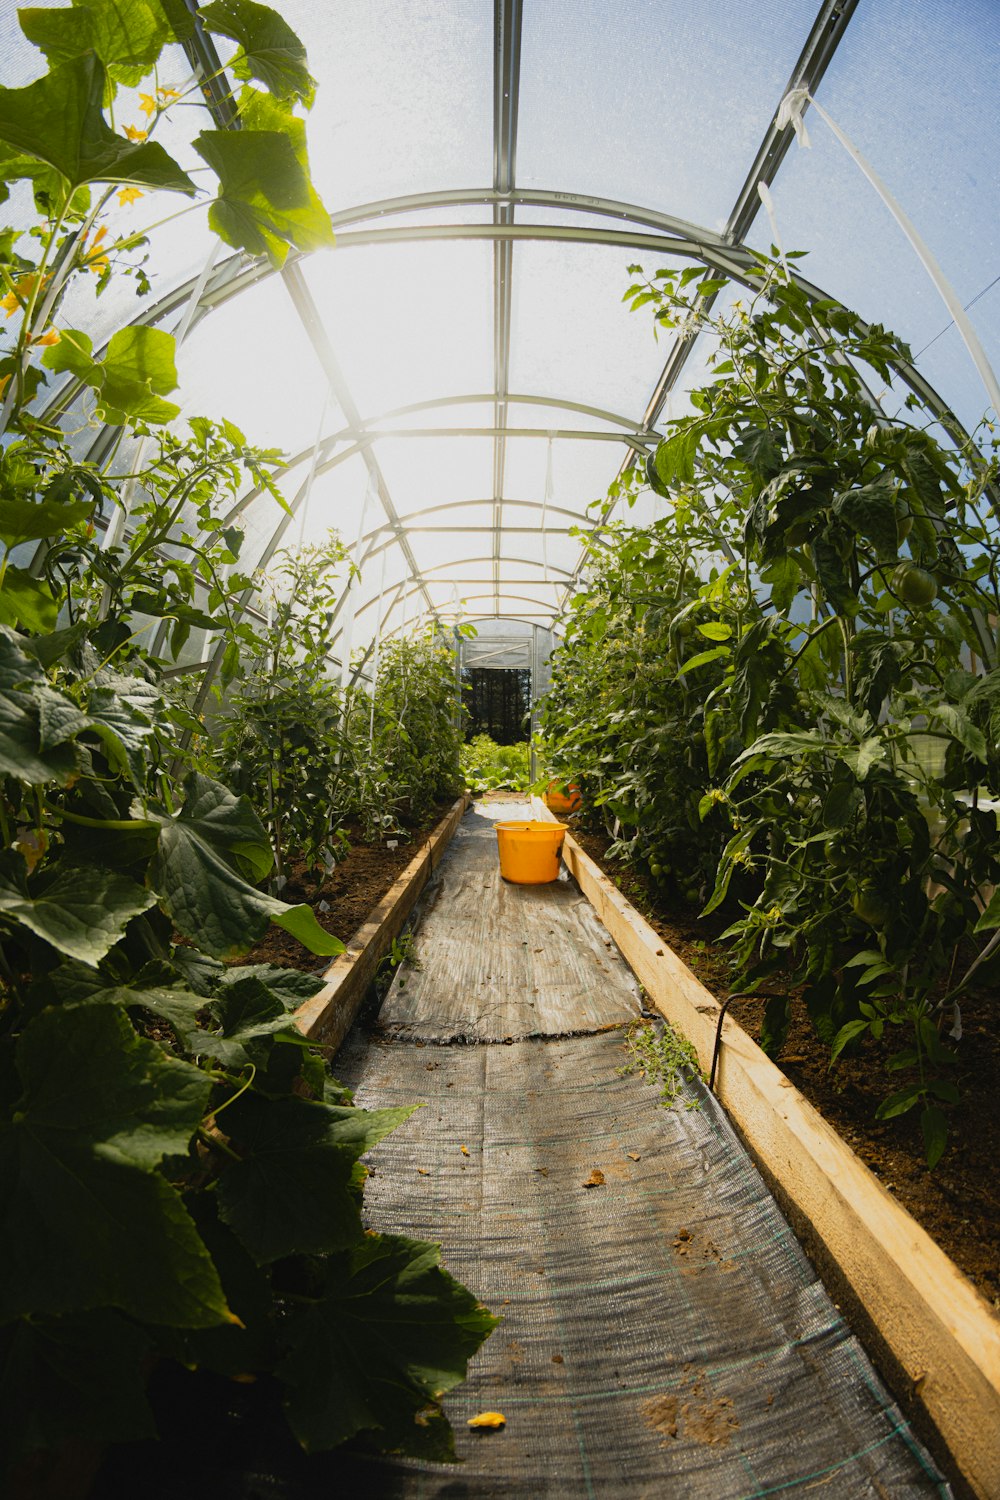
463, 356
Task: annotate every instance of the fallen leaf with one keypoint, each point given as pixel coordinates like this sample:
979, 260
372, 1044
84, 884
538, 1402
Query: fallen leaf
464, 1150
423, 1171
542, 1171
488, 1421
557, 1359
633, 1156
596, 1179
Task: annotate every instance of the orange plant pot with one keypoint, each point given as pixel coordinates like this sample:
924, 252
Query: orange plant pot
561, 802
529, 852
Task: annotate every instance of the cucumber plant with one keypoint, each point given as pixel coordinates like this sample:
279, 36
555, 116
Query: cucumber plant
180, 1175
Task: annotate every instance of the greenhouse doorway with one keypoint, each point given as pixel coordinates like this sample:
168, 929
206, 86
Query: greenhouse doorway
504, 671
497, 702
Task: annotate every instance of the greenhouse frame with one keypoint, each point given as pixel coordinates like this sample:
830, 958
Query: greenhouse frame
644, 352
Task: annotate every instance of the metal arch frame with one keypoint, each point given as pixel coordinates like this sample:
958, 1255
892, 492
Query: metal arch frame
367, 432
725, 252
528, 616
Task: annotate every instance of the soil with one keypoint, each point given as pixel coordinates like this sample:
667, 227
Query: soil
959, 1202
350, 892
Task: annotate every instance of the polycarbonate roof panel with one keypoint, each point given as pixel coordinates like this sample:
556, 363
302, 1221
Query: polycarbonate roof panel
405, 96
250, 361
914, 87
571, 334
471, 570
407, 323
437, 549
581, 470
424, 471
661, 102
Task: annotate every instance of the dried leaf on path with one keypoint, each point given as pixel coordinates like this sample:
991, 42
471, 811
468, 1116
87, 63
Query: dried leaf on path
596, 1179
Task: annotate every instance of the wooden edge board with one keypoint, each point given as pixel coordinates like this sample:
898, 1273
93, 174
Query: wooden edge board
941, 1337
329, 1015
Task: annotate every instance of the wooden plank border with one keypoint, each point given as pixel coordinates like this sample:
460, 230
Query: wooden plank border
935, 1338
329, 1015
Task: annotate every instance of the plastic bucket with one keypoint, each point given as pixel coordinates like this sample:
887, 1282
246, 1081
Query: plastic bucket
529, 852
559, 801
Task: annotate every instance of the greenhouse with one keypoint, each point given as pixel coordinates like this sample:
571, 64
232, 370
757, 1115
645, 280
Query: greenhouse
500, 749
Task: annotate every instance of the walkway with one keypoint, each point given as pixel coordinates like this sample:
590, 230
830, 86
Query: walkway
663, 1333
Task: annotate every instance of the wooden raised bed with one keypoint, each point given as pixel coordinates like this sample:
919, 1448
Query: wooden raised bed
329, 1015
935, 1338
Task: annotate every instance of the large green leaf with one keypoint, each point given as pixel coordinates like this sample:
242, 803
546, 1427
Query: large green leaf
871, 512
20, 751
59, 120
17, 667
31, 520
266, 202
269, 48
293, 1190
133, 377
127, 35
78, 1187
82, 912
27, 601
195, 871
71, 1377
122, 710
390, 1334
247, 1013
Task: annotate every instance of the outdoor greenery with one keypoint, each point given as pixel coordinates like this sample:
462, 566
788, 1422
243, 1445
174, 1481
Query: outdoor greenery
489, 767
785, 695
180, 1175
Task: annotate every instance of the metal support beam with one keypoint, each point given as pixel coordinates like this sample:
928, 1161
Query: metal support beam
506, 82
822, 42
304, 305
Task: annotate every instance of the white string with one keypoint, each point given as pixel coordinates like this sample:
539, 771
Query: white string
350, 604
549, 491
790, 113
764, 194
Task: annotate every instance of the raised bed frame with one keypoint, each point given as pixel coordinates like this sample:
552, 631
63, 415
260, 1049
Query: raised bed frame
935, 1338
329, 1015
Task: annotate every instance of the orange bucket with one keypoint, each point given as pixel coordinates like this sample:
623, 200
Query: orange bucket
559, 801
529, 852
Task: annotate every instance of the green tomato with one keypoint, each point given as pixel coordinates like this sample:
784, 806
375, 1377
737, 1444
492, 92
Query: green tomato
870, 905
837, 856
915, 586
904, 524
655, 868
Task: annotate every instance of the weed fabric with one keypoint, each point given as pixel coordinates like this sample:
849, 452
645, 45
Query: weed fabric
663, 1332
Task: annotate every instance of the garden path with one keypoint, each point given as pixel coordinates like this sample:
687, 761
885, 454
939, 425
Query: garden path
663, 1333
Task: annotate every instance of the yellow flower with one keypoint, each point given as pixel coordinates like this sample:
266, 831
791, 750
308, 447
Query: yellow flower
4, 382
24, 288
167, 94
135, 134
51, 336
97, 263
129, 195
147, 104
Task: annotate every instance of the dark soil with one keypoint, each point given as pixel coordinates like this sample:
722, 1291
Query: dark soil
351, 892
959, 1202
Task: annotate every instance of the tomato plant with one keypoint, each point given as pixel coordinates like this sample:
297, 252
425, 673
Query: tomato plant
804, 651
